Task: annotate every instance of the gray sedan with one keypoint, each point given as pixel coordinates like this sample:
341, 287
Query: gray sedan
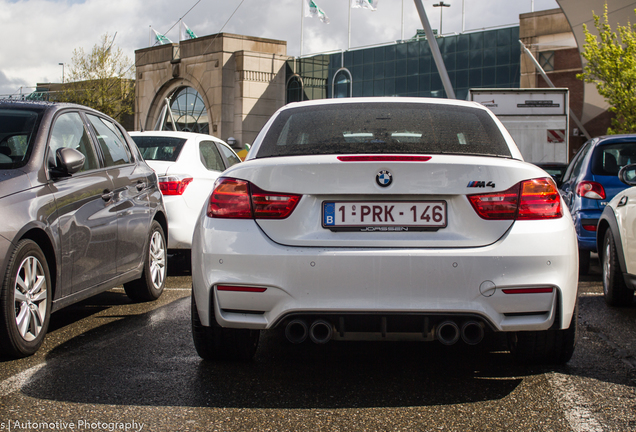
81, 213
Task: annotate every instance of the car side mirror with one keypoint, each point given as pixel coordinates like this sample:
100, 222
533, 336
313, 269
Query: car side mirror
627, 175
69, 161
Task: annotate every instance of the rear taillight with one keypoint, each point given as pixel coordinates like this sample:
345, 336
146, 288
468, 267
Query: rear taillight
173, 185
540, 199
230, 199
590, 189
527, 200
270, 205
239, 199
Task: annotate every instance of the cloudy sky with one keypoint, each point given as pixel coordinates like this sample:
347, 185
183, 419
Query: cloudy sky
37, 35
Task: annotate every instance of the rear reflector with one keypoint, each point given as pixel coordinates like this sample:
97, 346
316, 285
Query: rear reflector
589, 227
236, 288
528, 200
384, 158
528, 290
173, 185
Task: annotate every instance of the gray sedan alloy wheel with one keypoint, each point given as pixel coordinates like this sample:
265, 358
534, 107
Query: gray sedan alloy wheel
25, 301
157, 260
153, 279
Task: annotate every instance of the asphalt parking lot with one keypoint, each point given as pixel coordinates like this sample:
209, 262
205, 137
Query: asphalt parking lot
109, 364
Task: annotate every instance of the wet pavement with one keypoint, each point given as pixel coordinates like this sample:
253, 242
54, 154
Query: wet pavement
109, 364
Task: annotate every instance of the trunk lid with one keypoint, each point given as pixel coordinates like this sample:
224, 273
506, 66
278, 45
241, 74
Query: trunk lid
446, 179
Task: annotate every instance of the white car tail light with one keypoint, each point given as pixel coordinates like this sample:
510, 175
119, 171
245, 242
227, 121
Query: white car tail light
174, 185
527, 200
239, 199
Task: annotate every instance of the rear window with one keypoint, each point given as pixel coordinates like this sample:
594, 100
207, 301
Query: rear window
610, 158
17, 132
383, 128
159, 148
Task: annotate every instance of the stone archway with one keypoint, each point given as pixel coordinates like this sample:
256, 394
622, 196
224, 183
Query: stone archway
184, 110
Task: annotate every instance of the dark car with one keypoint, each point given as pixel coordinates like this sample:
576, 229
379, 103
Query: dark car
81, 213
555, 169
591, 181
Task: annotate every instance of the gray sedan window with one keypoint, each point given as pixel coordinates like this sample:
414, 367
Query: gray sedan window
68, 131
111, 141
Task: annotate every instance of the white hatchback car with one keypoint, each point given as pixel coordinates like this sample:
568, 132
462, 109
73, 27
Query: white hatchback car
385, 219
616, 240
187, 165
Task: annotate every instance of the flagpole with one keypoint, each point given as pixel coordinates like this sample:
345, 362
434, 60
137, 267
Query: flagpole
302, 20
349, 29
149, 36
463, 16
402, 20
437, 55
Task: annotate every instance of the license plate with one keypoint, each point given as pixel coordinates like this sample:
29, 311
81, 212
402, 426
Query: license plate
384, 215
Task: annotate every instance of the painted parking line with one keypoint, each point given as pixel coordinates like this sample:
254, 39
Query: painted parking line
574, 405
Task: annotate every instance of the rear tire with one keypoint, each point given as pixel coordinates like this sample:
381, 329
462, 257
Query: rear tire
615, 291
552, 346
153, 279
25, 301
218, 343
584, 262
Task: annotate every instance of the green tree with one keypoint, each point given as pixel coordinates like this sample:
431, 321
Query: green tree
611, 66
102, 79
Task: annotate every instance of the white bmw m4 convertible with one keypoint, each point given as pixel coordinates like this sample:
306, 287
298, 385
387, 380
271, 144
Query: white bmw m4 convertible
385, 219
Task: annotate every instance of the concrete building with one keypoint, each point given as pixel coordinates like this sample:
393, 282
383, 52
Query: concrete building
229, 85
225, 85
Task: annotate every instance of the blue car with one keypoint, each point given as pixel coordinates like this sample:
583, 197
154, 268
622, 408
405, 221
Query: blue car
591, 181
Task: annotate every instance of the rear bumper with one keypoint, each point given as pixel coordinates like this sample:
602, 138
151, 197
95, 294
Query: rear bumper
439, 282
586, 239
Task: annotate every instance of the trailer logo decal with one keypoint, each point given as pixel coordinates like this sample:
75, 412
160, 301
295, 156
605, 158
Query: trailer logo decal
481, 184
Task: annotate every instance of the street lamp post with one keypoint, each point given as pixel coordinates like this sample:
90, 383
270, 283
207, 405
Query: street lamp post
441, 5
62, 64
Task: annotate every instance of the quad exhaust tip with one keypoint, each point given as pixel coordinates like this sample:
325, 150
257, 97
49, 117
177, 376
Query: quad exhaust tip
296, 331
447, 332
321, 331
472, 332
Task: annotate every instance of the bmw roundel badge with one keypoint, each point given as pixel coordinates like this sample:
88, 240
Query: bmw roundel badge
384, 178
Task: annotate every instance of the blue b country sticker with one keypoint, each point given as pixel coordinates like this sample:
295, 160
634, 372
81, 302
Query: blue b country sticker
329, 214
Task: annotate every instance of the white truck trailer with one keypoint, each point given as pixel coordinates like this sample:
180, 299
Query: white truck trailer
537, 119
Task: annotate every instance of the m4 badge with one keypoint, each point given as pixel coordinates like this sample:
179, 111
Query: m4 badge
481, 184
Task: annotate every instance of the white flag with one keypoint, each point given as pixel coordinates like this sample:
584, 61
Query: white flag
161, 39
186, 33
313, 10
367, 4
